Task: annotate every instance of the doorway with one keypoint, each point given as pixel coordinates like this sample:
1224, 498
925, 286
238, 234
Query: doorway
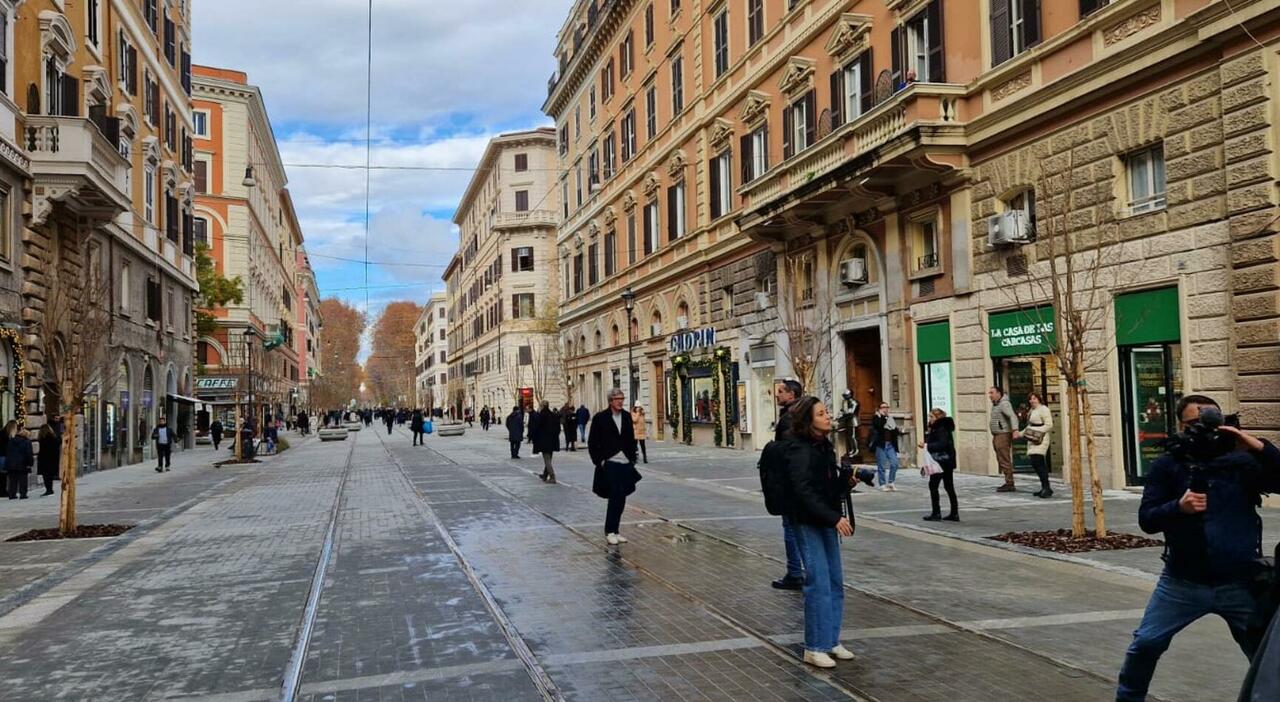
658, 401
862, 374
1151, 385
1019, 376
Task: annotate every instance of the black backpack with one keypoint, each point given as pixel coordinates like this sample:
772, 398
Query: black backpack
774, 482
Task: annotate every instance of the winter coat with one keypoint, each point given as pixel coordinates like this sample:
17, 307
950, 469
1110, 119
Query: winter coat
18, 456
939, 440
1040, 419
170, 436
415, 424
815, 490
782, 429
570, 424
215, 430
584, 415
544, 430
639, 425
604, 440
515, 427
1003, 420
48, 462
881, 435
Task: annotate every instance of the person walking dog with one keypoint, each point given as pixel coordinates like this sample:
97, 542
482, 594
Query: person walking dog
612, 445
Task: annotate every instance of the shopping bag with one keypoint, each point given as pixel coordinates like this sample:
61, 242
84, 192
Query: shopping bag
929, 465
426, 427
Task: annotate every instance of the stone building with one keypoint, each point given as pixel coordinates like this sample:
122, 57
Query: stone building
897, 160
101, 94
431, 345
309, 326
502, 285
246, 216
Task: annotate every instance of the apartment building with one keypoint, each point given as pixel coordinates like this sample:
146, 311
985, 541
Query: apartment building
245, 214
887, 166
95, 184
309, 326
431, 346
502, 286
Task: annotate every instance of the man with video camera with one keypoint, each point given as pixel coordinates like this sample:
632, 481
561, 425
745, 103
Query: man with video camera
1203, 494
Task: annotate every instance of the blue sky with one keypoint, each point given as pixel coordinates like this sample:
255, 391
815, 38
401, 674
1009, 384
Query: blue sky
446, 76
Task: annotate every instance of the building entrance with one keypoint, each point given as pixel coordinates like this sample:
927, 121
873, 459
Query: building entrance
862, 375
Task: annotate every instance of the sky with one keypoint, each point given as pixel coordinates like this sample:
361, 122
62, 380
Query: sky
447, 75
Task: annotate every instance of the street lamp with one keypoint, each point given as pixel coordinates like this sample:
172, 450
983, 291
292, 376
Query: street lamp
249, 333
249, 181
629, 300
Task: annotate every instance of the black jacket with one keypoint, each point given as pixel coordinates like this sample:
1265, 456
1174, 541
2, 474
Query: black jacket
216, 430
1220, 544
18, 456
815, 488
782, 430
544, 430
415, 424
570, 424
603, 439
880, 433
515, 427
939, 440
48, 461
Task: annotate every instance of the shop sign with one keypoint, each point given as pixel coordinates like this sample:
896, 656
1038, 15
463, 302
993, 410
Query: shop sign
217, 383
686, 341
1022, 332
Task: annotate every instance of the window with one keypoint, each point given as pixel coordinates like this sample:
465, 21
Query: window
651, 111
153, 300
6, 228
564, 197
721, 38
200, 172
799, 126
151, 13
593, 169
128, 65
755, 153
4, 52
149, 194
522, 163
522, 259
170, 42
925, 245
522, 306
677, 85
91, 21
522, 201
1088, 7
851, 90
675, 211
577, 274
648, 25
610, 252
200, 121
1146, 179
201, 228
610, 155
627, 54
631, 238
591, 103
125, 291
593, 263
54, 88
1015, 26
721, 184
629, 134
577, 123
755, 21
578, 177
564, 139
606, 82
651, 227
917, 48
675, 6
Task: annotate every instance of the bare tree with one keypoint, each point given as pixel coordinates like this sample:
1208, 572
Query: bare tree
804, 311
548, 365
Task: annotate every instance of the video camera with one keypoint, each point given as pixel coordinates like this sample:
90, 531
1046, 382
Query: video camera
1204, 440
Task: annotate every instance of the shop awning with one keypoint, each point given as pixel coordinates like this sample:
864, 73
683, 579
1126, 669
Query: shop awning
184, 399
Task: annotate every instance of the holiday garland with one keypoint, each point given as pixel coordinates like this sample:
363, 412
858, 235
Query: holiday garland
19, 374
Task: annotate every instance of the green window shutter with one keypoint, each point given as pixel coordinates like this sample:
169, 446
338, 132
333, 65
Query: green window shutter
933, 342
1026, 332
1148, 317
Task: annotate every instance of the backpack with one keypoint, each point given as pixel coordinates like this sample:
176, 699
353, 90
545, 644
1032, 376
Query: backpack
774, 482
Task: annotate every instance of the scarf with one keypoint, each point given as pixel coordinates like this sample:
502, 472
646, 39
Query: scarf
889, 424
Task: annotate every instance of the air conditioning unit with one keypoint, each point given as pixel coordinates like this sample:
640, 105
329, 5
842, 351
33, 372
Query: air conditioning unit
853, 271
656, 329
1008, 229
682, 322
762, 301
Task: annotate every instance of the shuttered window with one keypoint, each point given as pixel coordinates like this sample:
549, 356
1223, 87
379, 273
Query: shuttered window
1015, 27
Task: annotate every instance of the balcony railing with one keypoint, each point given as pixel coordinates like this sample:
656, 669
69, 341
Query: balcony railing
70, 149
530, 218
927, 261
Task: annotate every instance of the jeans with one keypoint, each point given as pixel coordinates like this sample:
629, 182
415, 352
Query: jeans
644, 452
886, 456
582, 432
1174, 605
613, 515
795, 566
823, 586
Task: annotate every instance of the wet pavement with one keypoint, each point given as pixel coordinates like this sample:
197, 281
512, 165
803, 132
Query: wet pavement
449, 572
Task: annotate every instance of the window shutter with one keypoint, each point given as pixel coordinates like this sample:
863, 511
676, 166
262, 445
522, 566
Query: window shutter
648, 227
1001, 48
70, 96
787, 129
133, 71
865, 75
747, 159
937, 72
1087, 6
201, 176
895, 45
671, 214
714, 172
837, 98
766, 147
1031, 25
810, 118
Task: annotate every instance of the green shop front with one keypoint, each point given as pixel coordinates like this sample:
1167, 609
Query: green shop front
933, 354
1021, 344
702, 401
1148, 344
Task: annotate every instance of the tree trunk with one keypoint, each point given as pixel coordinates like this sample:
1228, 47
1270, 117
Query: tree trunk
67, 505
1099, 511
1077, 479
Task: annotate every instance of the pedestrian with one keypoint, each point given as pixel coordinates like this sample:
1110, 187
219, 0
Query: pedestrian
270, 432
786, 393
641, 429
18, 459
884, 440
215, 433
48, 461
515, 430
1039, 424
1003, 423
567, 418
415, 426
816, 492
1262, 682
544, 429
484, 418
471, 418
583, 416
1203, 494
162, 435
939, 441
5, 433
612, 446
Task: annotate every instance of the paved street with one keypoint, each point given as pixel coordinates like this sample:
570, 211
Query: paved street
451, 573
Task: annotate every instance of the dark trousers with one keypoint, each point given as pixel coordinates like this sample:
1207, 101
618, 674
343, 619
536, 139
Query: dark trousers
1042, 470
17, 484
48, 483
389, 426
948, 482
216, 441
613, 515
644, 453
163, 455
417, 438
515, 449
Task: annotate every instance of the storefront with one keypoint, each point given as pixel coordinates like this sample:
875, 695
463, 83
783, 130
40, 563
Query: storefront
216, 399
933, 354
12, 397
1148, 342
1021, 344
702, 403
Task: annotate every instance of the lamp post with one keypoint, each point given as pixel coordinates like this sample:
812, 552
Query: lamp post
629, 300
249, 333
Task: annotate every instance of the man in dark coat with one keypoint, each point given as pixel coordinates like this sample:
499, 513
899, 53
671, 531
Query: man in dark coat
164, 440
583, 416
18, 459
515, 430
215, 433
612, 445
786, 393
544, 431
415, 426
49, 460
484, 418
570, 427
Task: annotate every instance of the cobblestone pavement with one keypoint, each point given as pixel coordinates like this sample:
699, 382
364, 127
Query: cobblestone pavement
449, 572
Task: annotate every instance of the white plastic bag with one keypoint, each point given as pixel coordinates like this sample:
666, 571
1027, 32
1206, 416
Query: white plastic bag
928, 464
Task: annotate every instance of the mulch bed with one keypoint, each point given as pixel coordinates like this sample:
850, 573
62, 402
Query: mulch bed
237, 462
84, 531
1061, 541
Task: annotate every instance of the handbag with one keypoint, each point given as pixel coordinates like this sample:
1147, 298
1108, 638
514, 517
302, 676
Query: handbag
1034, 436
929, 465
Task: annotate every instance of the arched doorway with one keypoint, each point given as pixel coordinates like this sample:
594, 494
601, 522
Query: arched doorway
858, 357
118, 417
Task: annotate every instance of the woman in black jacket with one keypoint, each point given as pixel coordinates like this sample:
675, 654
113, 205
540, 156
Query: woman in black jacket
816, 492
18, 460
545, 433
49, 460
939, 441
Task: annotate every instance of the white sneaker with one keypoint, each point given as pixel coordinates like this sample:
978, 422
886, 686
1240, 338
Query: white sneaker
884, 488
621, 539
612, 539
842, 653
893, 487
818, 659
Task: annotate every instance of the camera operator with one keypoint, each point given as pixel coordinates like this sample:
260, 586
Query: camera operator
1203, 495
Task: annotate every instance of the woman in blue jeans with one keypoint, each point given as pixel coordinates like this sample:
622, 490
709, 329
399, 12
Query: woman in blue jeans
884, 439
816, 492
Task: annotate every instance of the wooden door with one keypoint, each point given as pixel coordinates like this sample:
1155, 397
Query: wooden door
862, 373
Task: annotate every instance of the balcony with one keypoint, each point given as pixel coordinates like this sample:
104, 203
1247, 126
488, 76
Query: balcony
523, 220
76, 164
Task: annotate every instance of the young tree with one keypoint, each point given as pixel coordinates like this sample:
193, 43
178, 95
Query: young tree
804, 311
546, 355
215, 291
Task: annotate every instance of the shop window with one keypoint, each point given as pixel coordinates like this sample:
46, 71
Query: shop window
933, 353
1145, 171
1148, 339
701, 389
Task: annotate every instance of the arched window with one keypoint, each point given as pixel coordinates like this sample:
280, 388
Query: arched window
599, 345
682, 314
655, 324
613, 336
